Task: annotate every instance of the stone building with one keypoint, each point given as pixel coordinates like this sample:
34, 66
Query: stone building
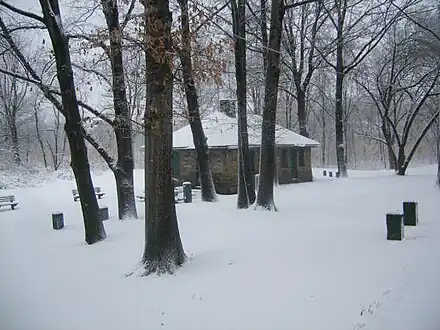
293, 152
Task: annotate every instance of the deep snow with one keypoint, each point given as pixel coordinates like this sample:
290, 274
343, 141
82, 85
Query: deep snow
321, 262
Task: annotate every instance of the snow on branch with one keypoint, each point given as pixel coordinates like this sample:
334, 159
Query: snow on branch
21, 12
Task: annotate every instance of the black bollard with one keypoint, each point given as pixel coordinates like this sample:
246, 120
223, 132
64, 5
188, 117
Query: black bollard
395, 226
187, 192
410, 216
57, 220
103, 213
324, 173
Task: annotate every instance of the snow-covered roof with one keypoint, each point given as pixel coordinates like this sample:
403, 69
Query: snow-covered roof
221, 131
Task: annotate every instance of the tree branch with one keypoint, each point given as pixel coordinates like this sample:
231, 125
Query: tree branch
294, 4
21, 12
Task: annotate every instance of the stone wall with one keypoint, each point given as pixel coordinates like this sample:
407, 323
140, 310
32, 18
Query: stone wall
224, 167
305, 172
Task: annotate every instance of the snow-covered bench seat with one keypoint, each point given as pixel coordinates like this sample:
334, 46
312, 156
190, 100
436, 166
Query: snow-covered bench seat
98, 192
8, 201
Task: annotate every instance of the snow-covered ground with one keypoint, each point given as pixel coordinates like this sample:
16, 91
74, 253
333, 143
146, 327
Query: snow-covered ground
321, 263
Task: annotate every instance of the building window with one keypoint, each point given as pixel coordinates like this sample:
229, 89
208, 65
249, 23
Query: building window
302, 157
284, 158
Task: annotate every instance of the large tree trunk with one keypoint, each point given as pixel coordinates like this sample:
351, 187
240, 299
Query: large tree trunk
392, 161
401, 169
339, 110
264, 38
125, 193
246, 190
94, 229
302, 114
386, 131
163, 251
122, 123
200, 142
265, 198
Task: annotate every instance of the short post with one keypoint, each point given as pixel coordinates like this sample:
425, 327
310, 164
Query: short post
330, 174
103, 213
187, 192
337, 174
257, 181
324, 173
410, 216
395, 227
57, 220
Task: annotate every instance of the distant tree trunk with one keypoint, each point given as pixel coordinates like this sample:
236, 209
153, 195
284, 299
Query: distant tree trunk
200, 142
163, 251
265, 198
122, 123
15, 143
302, 114
246, 190
339, 110
94, 229
12, 102
40, 141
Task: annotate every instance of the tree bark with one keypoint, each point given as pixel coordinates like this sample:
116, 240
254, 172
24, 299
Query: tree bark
40, 141
265, 197
200, 142
163, 251
339, 110
15, 143
246, 190
302, 114
94, 229
122, 122
401, 160
264, 37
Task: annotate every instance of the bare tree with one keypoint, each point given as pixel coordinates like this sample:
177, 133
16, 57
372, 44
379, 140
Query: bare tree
351, 20
163, 251
246, 190
301, 28
94, 229
267, 155
38, 133
57, 145
200, 142
401, 84
12, 101
122, 121
265, 198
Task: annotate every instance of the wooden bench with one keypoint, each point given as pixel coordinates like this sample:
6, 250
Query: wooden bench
98, 192
8, 201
